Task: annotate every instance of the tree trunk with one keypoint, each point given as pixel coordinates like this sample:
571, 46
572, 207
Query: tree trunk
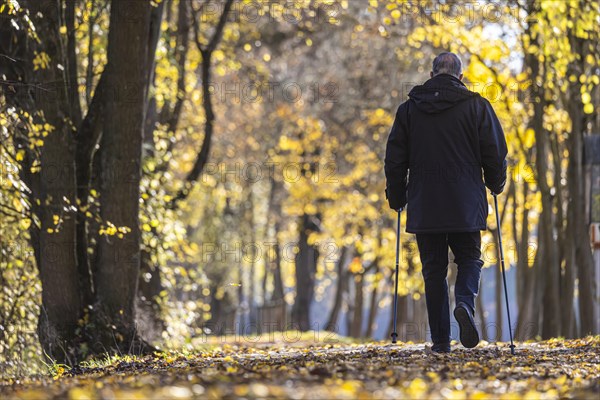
528, 319
551, 314
358, 305
525, 274
420, 318
207, 102
272, 314
412, 322
551, 306
576, 179
567, 289
222, 311
148, 311
87, 139
373, 303
55, 188
252, 272
277, 279
522, 246
481, 315
306, 267
585, 274
275, 217
340, 289
403, 328
119, 253
549, 262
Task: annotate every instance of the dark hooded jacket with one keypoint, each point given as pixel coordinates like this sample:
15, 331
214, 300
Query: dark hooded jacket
446, 145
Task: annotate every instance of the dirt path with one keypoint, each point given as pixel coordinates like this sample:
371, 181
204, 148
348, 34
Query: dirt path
552, 369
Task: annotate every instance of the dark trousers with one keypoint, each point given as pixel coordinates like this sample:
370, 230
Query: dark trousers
433, 249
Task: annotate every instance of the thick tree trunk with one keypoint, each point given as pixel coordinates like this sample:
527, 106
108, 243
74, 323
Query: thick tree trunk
55, 188
87, 139
119, 257
148, 310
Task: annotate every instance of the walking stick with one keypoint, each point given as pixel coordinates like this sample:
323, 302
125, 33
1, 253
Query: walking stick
512, 346
395, 333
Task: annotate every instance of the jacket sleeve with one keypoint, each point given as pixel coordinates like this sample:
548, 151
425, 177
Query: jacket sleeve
493, 149
396, 160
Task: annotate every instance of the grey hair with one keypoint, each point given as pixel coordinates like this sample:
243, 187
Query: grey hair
447, 63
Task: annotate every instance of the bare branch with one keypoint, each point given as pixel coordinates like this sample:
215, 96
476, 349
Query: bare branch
202, 157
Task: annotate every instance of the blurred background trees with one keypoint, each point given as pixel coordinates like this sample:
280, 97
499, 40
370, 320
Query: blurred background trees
249, 135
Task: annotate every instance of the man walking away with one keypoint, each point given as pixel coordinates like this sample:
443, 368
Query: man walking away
446, 145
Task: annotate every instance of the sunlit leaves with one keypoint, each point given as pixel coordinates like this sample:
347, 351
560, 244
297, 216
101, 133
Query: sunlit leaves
111, 230
19, 284
41, 61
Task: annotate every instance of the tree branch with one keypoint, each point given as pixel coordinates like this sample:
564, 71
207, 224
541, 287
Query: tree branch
216, 38
202, 157
181, 56
71, 63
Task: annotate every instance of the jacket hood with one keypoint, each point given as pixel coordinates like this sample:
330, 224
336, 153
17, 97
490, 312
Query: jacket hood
439, 94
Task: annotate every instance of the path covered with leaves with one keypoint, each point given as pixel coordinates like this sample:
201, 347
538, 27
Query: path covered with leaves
551, 369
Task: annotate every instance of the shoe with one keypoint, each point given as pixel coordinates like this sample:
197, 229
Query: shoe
469, 337
440, 348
